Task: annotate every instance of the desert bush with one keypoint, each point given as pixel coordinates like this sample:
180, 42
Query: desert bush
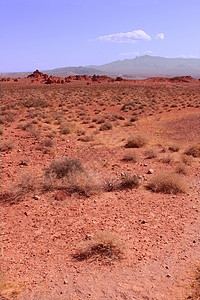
6, 145
181, 168
85, 183
68, 127
87, 138
51, 134
166, 159
195, 286
150, 153
134, 118
194, 150
136, 141
168, 183
25, 182
64, 165
24, 125
110, 184
69, 174
130, 156
127, 124
48, 142
35, 103
129, 181
128, 106
104, 245
174, 147
186, 159
106, 126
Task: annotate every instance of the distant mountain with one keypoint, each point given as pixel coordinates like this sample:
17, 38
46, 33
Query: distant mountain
148, 66
67, 71
139, 67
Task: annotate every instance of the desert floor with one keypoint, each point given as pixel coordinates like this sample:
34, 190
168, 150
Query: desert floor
50, 222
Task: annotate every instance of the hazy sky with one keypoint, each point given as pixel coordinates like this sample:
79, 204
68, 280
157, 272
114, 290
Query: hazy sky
46, 34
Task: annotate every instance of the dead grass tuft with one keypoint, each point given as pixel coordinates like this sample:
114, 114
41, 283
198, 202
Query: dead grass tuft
104, 245
6, 145
150, 153
136, 141
69, 174
130, 156
168, 183
62, 166
194, 150
129, 181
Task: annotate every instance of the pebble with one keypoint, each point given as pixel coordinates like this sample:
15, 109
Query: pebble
145, 165
150, 171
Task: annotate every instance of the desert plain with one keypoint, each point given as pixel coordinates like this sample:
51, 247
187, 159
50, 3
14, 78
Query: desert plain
100, 188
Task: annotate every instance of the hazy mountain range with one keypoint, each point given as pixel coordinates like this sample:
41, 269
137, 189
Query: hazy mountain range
139, 67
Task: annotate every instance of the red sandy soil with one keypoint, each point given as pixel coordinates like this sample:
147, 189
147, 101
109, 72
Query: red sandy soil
40, 231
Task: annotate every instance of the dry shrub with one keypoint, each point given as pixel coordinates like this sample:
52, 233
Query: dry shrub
167, 159
6, 145
181, 168
67, 128
195, 293
194, 150
130, 156
69, 174
150, 153
87, 138
86, 183
129, 181
168, 183
110, 184
25, 183
186, 159
136, 141
24, 125
62, 166
174, 147
106, 126
104, 245
48, 142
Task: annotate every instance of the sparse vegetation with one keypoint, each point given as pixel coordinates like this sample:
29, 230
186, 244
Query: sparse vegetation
136, 141
129, 181
130, 156
194, 150
104, 245
168, 183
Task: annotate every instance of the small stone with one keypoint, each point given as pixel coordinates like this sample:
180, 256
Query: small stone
168, 275
145, 165
36, 197
65, 281
150, 171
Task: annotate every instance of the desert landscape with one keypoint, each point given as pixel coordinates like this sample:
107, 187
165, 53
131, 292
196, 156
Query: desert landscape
100, 186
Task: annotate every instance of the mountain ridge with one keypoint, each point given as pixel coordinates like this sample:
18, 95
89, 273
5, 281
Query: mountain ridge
140, 67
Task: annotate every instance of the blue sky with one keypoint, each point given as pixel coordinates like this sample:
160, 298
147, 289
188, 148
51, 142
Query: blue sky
46, 34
